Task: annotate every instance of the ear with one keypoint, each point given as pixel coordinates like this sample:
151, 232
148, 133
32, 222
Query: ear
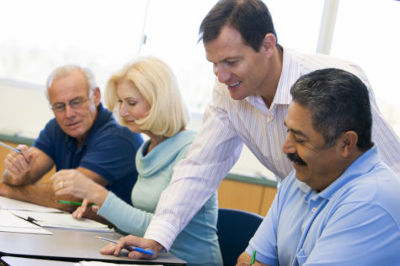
97, 96
348, 143
269, 43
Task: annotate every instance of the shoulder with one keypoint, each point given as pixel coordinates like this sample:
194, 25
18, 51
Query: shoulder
112, 132
311, 62
378, 189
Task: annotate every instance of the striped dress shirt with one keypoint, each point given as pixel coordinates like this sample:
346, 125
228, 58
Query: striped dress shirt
228, 124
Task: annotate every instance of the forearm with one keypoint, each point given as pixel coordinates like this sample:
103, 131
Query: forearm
22, 180
125, 217
39, 193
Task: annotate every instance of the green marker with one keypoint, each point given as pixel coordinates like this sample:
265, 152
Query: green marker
73, 202
253, 258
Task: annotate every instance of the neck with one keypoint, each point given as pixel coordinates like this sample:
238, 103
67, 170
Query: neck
273, 76
154, 140
340, 170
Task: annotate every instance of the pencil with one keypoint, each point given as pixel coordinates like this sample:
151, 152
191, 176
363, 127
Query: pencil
73, 202
253, 258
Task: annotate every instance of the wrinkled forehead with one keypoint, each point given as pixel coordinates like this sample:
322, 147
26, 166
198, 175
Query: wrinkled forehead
69, 86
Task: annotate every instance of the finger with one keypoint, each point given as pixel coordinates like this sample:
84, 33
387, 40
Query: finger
95, 208
138, 255
108, 250
13, 164
78, 213
25, 153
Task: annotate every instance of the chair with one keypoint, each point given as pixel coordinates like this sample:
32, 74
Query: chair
235, 228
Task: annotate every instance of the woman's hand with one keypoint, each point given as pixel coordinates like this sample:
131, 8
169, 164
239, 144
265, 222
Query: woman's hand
74, 183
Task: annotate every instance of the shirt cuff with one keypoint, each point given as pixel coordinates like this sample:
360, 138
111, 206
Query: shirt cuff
162, 232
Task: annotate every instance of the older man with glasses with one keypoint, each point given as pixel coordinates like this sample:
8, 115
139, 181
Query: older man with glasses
83, 136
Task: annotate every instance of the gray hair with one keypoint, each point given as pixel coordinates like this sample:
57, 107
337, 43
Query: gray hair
65, 70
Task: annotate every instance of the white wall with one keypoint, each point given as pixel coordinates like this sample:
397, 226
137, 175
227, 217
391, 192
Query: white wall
23, 111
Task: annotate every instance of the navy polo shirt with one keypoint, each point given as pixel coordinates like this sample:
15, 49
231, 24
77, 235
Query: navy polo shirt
109, 150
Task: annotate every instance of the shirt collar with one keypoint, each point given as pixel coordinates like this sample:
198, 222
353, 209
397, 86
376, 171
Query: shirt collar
289, 74
361, 166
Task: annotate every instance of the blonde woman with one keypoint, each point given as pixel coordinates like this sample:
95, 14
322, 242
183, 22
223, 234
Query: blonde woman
146, 95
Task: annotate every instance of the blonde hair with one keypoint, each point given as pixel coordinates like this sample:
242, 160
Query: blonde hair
157, 84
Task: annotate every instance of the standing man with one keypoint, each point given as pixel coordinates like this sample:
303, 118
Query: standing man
340, 205
82, 136
249, 105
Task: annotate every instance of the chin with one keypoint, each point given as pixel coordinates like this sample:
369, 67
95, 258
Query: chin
301, 176
237, 97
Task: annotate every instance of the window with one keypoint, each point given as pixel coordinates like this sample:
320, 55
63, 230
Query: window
367, 34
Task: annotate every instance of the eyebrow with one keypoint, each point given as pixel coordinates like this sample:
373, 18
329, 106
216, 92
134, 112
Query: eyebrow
296, 132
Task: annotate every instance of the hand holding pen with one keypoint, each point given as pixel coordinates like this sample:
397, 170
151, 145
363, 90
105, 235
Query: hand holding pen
17, 163
128, 247
132, 241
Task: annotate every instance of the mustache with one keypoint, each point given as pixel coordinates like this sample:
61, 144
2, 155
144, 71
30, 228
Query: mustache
294, 157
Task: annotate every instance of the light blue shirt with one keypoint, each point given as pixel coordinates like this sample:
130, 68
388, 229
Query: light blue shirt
354, 221
198, 242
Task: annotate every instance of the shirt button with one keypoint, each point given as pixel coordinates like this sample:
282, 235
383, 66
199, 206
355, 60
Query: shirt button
313, 210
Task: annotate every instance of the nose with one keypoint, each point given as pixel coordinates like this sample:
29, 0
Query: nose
222, 73
123, 110
69, 112
288, 146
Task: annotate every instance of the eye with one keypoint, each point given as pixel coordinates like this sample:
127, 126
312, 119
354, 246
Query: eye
76, 102
132, 103
231, 62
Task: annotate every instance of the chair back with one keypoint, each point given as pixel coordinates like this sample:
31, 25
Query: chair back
235, 228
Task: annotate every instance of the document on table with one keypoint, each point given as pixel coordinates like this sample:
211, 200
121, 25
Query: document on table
13, 224
62, 220
100, 263
11, 204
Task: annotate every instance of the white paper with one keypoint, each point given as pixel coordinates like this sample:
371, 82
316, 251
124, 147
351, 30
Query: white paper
100, 263
11, 223
62, 220
11, 204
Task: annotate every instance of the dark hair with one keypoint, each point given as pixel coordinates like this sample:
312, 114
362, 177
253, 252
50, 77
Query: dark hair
250, 17
338, 102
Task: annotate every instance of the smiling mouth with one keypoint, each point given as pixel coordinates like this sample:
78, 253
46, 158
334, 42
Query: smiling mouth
233, 85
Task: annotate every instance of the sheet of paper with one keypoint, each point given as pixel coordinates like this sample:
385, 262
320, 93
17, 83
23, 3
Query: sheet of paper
11, 223
11, 204
62, 220
100, 263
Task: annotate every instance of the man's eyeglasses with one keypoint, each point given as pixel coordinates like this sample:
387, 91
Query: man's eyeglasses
74, 104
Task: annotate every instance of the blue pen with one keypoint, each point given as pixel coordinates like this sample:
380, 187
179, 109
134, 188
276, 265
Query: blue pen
130, 248
9, 147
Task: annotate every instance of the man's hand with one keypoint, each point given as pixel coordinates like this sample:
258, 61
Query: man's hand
245, 260
17, 166
115, 249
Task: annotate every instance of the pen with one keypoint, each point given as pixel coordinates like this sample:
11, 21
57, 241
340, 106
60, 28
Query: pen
130, 248
9, 147
253, 258
73, 202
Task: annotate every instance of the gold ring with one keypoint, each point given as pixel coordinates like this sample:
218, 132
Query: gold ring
61, 185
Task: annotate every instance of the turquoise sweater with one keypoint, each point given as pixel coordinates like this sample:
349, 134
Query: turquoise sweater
198, 242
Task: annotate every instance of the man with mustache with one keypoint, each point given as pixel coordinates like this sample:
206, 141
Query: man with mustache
340, 204
82, 136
